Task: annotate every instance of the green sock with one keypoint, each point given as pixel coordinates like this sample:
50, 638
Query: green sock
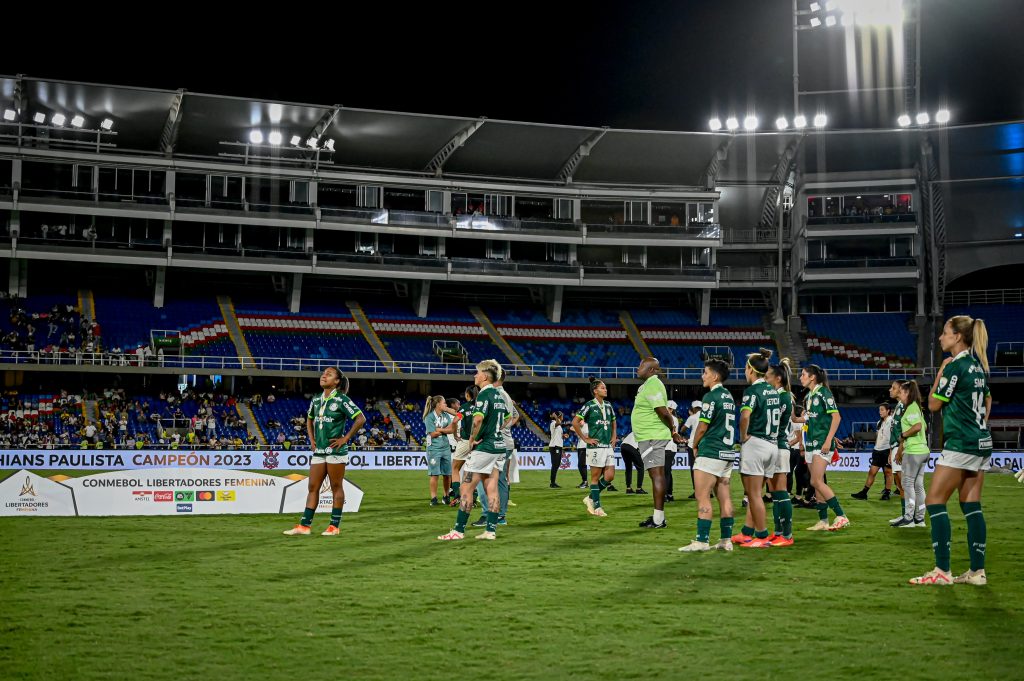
778, 498
822, 511
595, 495
307, 517
726, 525
703, 530
455, 488
460, 520
941, 533
833, 503
747, 531
335, 516
787, 516
761, 534
603, 484
492, 521
976, 533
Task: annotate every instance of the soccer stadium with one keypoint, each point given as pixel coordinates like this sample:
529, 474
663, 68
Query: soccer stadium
281, 379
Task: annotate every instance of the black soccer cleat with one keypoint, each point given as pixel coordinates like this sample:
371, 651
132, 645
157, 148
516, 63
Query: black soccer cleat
649, 523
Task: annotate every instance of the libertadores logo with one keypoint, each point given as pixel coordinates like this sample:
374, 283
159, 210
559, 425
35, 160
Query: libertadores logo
27, 490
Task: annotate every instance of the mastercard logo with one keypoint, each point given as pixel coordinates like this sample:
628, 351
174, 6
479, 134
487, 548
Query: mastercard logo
204, 495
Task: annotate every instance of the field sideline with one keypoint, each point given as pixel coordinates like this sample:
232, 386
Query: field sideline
559, 595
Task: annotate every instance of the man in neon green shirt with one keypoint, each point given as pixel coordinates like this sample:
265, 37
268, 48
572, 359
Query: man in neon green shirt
652, 426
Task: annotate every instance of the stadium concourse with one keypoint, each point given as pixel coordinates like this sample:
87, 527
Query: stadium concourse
199, 284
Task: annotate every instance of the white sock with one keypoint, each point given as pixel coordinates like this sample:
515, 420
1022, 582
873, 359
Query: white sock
659, 517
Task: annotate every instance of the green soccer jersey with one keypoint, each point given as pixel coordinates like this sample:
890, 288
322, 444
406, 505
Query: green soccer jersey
819, 405
897, 427
646, 423
718, 411
964, 387
491, 406
762, 401
435, 421
785, 417
331, 416
466, 419
598, 417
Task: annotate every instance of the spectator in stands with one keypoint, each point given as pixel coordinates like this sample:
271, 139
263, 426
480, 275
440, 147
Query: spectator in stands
880, 455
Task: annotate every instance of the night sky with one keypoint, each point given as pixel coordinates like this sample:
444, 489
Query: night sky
648, 65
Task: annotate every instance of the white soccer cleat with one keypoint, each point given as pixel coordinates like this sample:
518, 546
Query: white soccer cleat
589, 503
935, 577
723, 545
599, 512
896, 521
840, 522
695, 547
487, 535
975, 577
819, 526
1019, 475
454, 535
299, 531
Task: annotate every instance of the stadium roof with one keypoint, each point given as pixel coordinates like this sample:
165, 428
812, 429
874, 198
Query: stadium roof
207, 126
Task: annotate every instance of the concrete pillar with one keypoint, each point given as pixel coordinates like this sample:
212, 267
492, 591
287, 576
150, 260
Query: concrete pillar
421, 289
166, 239
295, 294
159, 285
705, 307
553, 302
17, 280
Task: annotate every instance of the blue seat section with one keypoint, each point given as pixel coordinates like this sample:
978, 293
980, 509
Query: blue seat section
287, 339
657, 319
284, 409
217, 347
1005, 323
570, 317
681, 356
599, 353
421, 348
126, 322
435, 313
883, 333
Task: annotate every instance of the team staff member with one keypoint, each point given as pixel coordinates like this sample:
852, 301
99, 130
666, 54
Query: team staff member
631, 459
555, 446
326, 419
690, 426
652, 424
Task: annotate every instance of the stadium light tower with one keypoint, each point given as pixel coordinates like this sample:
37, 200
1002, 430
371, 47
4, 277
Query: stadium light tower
894, 22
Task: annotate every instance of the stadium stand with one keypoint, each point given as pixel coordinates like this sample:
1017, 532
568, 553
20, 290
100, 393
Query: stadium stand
863, 340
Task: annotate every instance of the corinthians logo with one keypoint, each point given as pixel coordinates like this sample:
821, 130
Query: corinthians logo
27, 490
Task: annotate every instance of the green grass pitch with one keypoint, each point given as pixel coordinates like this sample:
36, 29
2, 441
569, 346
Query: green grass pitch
560, 595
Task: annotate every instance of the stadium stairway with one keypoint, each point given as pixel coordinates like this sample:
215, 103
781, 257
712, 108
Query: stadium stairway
385, 408
496, 337
227, 310
789, 344
370, 335
534, 427
251, 422
86, 304
633, 333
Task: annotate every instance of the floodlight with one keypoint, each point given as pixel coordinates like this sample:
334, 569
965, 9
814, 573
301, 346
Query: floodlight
903, 120
922, 118
58, 119
107, 124
9, 114
715, 124
750, 123
942, 116
781, 123
256, 137
78, 121
39, 118
815, 22
820, 120
296, 140
731, 123
800, 122
274, 137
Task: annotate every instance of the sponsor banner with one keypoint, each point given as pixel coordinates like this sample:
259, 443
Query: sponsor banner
358, 461
27, 494
164, 491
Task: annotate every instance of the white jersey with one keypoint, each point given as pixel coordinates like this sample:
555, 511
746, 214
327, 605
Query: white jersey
513, 413
882, 437
585, 429
556, 435
630, 440
691, 425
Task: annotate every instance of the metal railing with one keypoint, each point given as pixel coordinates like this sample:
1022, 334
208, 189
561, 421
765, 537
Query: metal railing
1000, 296
861, 219
758, 235
765, 273
849, 263
302, 364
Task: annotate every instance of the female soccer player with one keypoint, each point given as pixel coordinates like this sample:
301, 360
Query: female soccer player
759, 437
555, 446
961, 393
894, 442
329, 412
488, 450
912, 454
880, 456
782, 506
822, 418
599, 418
439, 452
463, 446
714, 444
